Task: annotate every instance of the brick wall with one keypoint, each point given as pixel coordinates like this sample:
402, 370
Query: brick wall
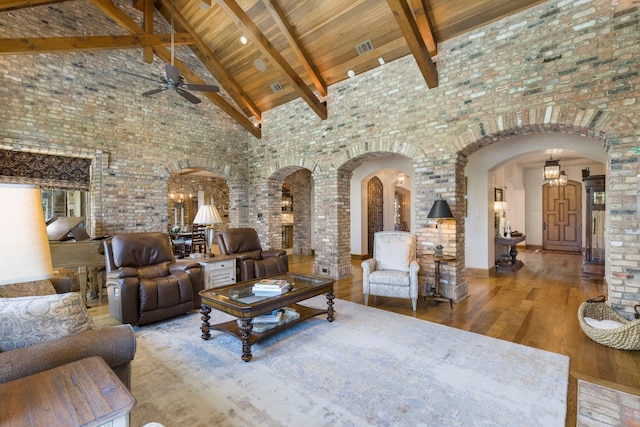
564, 66
84, 104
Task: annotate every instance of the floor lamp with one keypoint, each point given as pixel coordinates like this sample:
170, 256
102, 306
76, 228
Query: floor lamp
24, 244
439, 211
208, 215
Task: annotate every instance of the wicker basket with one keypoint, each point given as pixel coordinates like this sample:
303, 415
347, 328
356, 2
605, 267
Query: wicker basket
626, 337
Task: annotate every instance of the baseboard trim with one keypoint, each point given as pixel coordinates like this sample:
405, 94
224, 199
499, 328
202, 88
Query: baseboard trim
478, 272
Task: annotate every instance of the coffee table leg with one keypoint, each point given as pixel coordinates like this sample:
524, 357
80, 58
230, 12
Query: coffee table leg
330, 311
205, 328
245, 333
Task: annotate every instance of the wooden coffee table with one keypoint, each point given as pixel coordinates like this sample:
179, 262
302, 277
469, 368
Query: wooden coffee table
239, 301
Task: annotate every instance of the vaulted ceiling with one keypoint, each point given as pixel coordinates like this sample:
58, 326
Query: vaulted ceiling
294, 48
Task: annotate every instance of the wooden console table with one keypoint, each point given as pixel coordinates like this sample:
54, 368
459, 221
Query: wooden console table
508, 261
84, 393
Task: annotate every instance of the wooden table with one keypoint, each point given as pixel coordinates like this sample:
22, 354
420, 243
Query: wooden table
437, 295
84, 393
508, 261
239, 301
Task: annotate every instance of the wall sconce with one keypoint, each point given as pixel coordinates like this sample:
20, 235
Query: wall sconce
439, 211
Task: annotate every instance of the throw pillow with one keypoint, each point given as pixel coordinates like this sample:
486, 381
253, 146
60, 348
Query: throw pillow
24, 289
26, 321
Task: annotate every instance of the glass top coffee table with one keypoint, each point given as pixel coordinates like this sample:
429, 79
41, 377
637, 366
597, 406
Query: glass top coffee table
240, 301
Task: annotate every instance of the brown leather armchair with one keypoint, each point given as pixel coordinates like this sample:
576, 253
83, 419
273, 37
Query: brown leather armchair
251, 261
144, 281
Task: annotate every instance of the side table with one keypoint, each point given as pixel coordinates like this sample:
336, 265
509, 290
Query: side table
83, 393
437, 295
508, 261
218, 271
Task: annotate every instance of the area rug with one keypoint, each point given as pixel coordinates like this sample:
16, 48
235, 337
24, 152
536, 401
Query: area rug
368, 367
603, 406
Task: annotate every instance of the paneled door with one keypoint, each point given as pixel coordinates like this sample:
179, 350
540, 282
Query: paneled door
562, 217
374, 210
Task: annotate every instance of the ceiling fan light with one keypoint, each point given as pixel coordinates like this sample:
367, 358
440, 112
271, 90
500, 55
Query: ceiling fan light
243, 40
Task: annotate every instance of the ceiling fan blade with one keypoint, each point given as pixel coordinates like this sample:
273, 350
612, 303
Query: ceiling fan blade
154, 91
189, 97
172, 73
201, 88
138, 76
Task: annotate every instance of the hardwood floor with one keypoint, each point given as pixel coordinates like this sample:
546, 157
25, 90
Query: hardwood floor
536, 306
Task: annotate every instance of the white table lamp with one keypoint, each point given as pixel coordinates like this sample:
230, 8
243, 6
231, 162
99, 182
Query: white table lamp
208, 215
24, 246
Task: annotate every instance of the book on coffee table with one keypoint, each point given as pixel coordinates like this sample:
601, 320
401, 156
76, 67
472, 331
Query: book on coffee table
272, 317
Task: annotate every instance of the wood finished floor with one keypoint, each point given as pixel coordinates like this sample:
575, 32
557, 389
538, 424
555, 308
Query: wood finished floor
536, 306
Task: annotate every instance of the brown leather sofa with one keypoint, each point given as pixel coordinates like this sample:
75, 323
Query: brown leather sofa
144, 281
251, 261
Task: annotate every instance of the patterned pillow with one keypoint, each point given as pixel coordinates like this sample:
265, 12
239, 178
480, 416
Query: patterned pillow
25, 289
26, 321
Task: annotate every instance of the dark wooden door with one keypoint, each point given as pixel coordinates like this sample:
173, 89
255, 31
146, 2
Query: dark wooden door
562, 216
374, 210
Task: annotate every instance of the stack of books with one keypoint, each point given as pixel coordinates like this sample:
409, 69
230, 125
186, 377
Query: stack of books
273, 317
269, 287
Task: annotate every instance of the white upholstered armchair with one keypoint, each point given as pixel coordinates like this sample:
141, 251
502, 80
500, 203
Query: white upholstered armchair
393, 270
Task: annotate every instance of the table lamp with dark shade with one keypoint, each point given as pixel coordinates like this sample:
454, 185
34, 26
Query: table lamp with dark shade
208, 215
24, 245
439, 211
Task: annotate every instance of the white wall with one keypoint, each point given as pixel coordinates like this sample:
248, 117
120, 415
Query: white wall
385, 169
492, 166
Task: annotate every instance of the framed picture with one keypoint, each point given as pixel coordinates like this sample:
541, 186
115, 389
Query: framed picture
499, 194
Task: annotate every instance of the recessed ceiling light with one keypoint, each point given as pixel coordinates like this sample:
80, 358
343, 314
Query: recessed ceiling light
205, 5
351, 73
243, 40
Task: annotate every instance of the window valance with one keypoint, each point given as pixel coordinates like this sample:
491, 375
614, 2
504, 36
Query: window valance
47, 171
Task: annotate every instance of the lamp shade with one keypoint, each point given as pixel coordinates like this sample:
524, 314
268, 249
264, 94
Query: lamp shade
207, 215
24, 245
440, 209
500, 207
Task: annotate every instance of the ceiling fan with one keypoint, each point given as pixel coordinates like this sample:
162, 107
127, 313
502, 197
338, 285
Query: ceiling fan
173, 80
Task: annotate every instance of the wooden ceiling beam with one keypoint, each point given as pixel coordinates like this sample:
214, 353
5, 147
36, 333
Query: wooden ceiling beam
288, 32
262, 43
411, 33
420, 9
130, 25
215, 67
75, 44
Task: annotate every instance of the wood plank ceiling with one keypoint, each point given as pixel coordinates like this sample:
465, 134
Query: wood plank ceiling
294, 48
